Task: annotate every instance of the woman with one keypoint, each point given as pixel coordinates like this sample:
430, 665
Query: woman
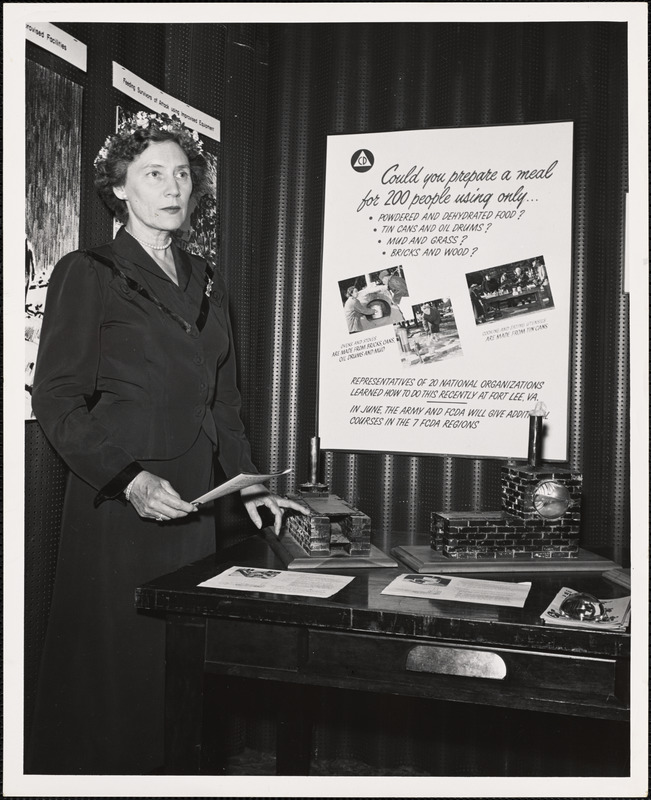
355, 311
135, 387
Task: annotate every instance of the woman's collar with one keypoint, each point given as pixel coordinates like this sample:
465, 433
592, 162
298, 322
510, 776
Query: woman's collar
127, 247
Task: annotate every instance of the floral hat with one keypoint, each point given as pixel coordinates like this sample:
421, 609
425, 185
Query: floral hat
144, 120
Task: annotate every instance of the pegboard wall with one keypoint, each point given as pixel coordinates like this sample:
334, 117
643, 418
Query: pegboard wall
350, 78
279, 90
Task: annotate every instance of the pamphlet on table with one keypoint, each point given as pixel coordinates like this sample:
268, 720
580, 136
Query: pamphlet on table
461, 590
617, 613
257, 579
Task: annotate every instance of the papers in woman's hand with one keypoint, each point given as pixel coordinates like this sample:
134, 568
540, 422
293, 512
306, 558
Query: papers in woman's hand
240, 481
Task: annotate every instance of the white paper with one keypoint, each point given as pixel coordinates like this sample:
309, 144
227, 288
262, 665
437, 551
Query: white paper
274, 581
462, 590
240, 481
443, 209
618, 611
157, 100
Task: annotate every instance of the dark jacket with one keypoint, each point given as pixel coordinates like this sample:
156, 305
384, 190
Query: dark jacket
118, 379
433, 316
398, 288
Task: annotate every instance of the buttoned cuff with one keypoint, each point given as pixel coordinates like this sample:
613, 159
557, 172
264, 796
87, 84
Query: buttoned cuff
114, 489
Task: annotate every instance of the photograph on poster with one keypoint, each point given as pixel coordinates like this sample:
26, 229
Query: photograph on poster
498, 293
54, 115
368, 303
429, 335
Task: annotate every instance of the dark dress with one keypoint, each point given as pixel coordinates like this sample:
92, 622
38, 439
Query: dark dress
121, 386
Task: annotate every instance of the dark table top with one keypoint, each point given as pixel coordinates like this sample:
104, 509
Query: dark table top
360, 606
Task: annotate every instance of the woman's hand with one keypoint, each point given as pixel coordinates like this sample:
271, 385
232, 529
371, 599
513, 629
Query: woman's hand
258, 495
155, 498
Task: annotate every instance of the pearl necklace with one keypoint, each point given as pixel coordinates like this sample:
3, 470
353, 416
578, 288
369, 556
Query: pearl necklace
153, 246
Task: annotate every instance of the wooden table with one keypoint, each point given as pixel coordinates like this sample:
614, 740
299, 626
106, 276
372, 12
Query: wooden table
360, 639
495, 302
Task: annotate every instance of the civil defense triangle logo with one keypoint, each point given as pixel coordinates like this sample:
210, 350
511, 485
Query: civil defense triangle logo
362, 160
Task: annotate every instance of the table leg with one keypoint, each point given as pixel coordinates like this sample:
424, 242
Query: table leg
294, 732
184, 655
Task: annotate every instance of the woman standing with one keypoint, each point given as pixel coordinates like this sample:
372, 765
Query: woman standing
135, 387
355, 311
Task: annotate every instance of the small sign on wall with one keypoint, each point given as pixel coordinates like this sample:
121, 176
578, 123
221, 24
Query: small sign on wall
56, 41
159, 101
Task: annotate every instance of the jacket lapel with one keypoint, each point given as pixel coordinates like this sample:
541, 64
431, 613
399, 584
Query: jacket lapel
183, 267
125, 247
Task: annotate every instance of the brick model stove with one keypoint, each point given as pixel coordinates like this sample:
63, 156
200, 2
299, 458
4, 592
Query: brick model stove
540, 516
332, 527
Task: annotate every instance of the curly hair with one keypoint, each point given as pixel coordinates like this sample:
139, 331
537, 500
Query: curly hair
133, 137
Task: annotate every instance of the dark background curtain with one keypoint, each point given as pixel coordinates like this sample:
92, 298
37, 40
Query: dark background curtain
350, 78
279, 90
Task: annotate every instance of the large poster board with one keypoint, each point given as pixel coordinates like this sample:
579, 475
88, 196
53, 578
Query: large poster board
446, 279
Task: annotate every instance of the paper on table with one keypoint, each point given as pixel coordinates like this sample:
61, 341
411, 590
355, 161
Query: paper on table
462, 590
275, 581
618, 613
240, 481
